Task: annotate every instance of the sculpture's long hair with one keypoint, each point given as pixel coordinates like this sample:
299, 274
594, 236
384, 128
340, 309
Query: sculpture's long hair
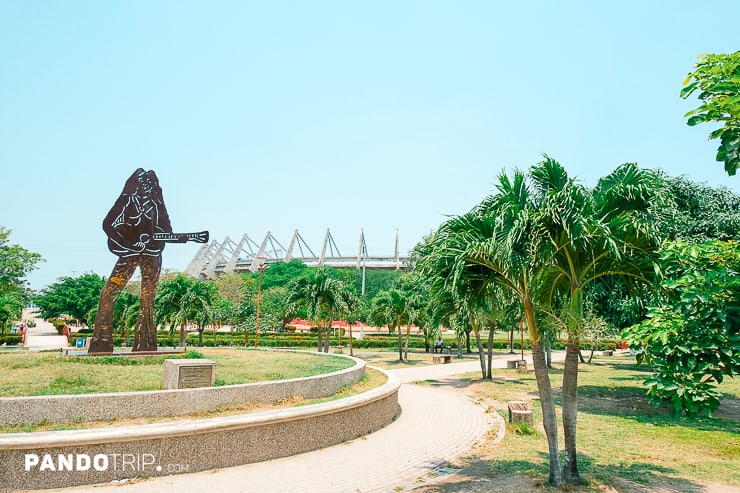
164, 217
132, 183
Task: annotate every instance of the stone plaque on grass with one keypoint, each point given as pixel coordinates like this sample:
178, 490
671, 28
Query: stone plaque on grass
189, 373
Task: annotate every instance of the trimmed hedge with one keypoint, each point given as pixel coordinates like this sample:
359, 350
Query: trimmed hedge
308, 340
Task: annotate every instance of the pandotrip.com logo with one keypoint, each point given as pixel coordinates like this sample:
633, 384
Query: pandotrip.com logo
123, 463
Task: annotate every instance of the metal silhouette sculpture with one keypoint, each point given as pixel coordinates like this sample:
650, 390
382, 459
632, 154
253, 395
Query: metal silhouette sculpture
137, 227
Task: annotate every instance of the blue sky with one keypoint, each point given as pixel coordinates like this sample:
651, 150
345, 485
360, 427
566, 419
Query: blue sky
279, 115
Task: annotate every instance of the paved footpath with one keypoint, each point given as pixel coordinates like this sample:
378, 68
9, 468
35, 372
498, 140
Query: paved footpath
434, 427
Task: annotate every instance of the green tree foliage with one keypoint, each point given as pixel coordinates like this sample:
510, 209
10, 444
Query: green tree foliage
282, 273
275, 309
322, 295
692, 339
687, 211
695, 213
717, 80
74, 296
183, 300
492, 246
586, 235
390, 307
11, 308
15, 262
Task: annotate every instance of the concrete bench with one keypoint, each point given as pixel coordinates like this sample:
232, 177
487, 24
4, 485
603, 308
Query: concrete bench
519, 412
442, 349
608, 352
514, 364
442, 358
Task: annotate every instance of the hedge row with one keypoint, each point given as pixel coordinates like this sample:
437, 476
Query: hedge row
308, 340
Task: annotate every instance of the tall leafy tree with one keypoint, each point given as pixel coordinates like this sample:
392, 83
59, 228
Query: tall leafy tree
182, 300
11, 308
15, 262
74, 296
492, 245
695, 212
322, 296
390, 307
586, 235
125, 313
691, 339
717, 80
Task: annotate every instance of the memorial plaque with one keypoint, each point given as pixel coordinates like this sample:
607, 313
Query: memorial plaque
189, 373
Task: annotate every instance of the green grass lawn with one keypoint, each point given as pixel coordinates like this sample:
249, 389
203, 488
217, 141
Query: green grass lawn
26, 374
622, 438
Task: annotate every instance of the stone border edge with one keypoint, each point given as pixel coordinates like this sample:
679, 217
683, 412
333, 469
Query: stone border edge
186, 446
172, 403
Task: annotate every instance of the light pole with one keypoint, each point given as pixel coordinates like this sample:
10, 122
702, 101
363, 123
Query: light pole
259, 299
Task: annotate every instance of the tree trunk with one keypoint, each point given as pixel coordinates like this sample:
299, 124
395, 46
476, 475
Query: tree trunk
351, 353
591, 354
183, 341
549, 418
548, 350
489, 376
511, 341
406, 345
319, 341
570, 387
467, 342
400, 343
200, 336
327, 339
481, 355
570, 413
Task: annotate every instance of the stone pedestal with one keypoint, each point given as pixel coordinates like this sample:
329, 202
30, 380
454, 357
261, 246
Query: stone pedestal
189, 373
519, 412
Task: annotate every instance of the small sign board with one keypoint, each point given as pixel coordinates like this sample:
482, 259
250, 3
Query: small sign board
189, 373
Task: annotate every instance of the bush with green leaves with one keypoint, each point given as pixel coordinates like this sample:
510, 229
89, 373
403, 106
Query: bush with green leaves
692, 338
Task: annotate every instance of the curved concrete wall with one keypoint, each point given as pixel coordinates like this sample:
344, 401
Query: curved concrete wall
180, 402
74, 457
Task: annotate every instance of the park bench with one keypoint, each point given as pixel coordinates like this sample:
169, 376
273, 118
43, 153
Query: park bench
519, 412
514, 364
442, 358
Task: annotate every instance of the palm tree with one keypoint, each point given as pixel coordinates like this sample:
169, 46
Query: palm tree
389, 307
588, 235
491, 246
181, 300
125, 313
323, 296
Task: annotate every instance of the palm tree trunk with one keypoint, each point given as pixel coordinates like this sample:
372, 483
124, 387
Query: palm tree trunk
489, 374
351, 353
570, 387
481, 355
570, 413
549, 418
406, 345
400, 343
319, 340
327, 337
